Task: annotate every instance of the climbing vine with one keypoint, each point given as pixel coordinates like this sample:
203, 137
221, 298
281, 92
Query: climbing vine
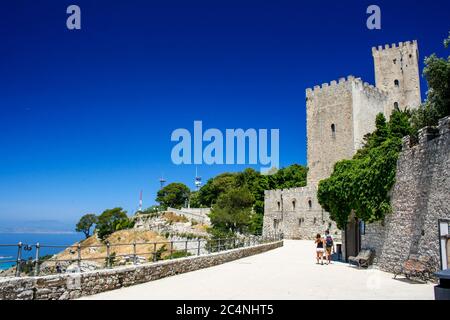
362, 184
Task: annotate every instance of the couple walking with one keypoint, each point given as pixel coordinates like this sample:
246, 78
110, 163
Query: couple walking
324, 245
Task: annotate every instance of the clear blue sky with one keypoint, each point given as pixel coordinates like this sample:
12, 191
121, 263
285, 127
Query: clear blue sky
86, 116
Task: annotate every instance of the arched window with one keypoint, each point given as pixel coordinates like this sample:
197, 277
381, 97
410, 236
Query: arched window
293, 205
396, 83
396, 105
333, 128
279, 205
309, 204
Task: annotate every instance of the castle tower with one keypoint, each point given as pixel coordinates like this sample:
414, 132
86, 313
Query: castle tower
338, 115
397, 72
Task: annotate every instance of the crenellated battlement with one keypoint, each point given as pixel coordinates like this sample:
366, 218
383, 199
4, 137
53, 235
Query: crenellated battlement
330, 85
394, 46
358, 83
370, 89
427, 134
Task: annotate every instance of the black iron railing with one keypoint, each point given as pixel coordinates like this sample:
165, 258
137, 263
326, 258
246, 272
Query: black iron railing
29, 259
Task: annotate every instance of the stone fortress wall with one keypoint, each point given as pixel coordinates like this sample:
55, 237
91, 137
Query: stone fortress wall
420, 197
338, 115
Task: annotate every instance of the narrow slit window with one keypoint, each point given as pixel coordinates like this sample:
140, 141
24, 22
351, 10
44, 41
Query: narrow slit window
310, 204
396, 83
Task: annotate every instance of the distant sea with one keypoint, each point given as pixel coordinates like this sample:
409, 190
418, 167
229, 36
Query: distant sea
10, 253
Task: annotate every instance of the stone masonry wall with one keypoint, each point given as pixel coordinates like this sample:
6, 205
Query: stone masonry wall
296, 213
420, 197
72, 286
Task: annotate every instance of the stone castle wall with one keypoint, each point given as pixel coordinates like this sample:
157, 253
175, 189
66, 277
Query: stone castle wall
328, 105
296, 213
72, 286
420, 197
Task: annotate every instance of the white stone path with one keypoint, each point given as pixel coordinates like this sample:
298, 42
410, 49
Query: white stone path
289, 272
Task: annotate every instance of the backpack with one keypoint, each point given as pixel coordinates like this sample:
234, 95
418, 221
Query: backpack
329, 241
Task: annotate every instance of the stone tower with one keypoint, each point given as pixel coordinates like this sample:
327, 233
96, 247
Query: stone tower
339, 114
397, 72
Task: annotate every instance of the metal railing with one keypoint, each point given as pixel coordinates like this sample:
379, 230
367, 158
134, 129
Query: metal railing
150, 252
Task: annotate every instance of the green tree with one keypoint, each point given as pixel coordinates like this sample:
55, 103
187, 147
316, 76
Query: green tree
214, 187
85, 224
233, 211
111, 220
194, 200
173, 195
437, 103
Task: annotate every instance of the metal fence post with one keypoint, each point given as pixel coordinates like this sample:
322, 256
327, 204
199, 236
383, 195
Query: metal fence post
218, 245
154, 252
134, 252
171, 249
36, 263
19, 258
186, 248
108, 258
79, 256
198, 248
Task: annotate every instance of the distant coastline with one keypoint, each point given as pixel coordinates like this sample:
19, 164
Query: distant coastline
36, 232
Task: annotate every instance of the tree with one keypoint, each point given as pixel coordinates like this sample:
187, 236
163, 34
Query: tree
111, 220
233, 211
214, 187
85, 224
437, 103
173, 195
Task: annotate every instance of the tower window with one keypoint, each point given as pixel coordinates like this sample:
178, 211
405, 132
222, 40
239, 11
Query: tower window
395, 61
279, 205
396, 105
293, 205
396, 83
333, 130
315, 220
410, 56
309, 204
299, 222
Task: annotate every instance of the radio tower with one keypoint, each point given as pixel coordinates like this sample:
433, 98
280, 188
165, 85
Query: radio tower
140, 202
162, 181
198, 180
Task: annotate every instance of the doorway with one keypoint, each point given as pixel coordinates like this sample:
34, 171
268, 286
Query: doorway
352, 238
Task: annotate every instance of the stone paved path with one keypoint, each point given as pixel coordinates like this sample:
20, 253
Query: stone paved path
285, 273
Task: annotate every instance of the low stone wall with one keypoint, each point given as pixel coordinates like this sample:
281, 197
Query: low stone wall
72, 286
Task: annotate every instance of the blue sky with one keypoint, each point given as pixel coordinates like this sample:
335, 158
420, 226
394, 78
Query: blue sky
86, 116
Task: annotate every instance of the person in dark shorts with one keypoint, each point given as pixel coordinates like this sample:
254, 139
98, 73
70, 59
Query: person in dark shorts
329, 246
319, 248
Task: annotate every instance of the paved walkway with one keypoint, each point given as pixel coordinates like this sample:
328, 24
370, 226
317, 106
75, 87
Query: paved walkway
285, 273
